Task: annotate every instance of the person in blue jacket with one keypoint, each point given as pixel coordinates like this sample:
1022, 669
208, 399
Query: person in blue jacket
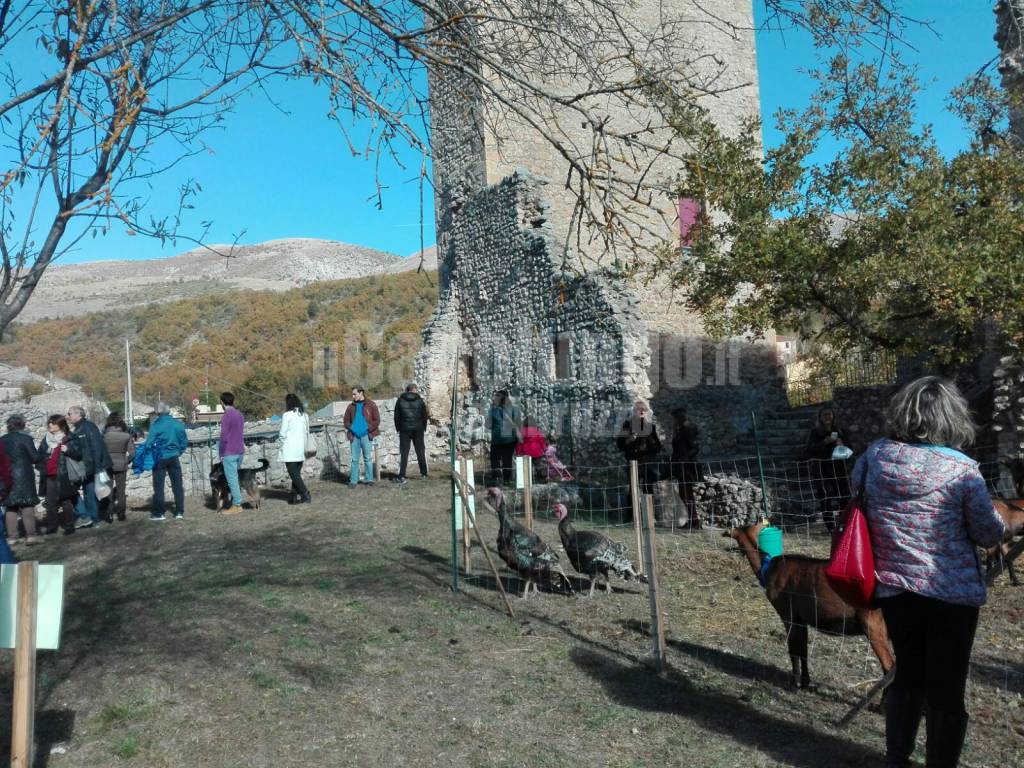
167, 441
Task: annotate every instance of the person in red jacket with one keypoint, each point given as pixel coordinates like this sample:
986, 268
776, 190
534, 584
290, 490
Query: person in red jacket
362, 425
532, 442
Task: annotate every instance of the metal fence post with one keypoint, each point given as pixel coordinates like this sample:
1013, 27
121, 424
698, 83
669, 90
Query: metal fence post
760, 467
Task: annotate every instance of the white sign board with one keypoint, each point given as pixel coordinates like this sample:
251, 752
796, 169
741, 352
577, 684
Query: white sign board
49, 605
470, 492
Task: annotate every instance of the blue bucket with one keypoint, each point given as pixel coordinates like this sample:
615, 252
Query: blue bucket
769, 541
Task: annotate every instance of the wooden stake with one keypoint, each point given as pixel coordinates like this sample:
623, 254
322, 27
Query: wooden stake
487, 553
867, 697
376, 462
23, 716
634, 495
466, 546
528, 491
657, 625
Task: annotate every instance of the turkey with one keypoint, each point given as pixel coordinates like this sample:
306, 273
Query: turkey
592, 553
524, 551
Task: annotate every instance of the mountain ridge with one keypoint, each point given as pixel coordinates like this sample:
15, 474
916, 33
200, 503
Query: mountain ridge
72, 290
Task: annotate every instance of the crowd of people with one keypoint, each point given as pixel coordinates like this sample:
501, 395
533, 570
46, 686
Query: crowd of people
927, 505
79, 473
76, 471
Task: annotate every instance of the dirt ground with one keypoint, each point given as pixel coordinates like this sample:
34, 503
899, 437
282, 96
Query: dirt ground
328, 635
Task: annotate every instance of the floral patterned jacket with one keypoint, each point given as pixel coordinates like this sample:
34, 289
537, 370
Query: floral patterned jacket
928, 509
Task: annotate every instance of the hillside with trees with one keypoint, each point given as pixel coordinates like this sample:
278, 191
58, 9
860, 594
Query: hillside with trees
260, 344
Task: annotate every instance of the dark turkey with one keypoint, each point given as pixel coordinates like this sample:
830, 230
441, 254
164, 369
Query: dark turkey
594, 554
524, 551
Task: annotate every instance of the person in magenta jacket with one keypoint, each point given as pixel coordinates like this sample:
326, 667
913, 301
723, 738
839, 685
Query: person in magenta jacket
231, 448
928, 510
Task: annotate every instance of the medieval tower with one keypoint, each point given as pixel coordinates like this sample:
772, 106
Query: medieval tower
524, 303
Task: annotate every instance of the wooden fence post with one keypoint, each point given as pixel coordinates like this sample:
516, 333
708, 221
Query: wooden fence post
376, 461
23, 716
461, 486
634, 496
528, 491
657, 624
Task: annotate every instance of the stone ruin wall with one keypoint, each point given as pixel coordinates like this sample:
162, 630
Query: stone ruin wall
509, 287
507, 303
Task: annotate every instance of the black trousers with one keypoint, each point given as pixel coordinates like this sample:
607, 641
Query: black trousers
502, 464
162, 469
932, 640
295, 473
416, 439
59, 512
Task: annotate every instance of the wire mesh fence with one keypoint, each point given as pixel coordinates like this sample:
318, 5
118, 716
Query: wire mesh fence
713, 611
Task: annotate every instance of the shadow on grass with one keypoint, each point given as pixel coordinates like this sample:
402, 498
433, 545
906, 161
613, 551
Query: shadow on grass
152, 591
52, 727
1007, 677
484, 579
730, 663
786, 742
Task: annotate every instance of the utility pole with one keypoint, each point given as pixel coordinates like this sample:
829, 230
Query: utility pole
128, 391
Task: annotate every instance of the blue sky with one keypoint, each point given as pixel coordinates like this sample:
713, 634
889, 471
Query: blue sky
275, 172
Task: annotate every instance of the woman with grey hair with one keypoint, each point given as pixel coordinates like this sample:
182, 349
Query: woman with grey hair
22, 499
928, 509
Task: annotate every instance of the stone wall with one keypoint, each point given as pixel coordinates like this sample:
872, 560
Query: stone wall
516, 311
513, 311
1008, 406
861, 412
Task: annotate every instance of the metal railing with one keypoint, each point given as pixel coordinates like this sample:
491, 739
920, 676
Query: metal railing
868, 370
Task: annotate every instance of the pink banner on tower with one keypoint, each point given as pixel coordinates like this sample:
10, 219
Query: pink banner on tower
689, 219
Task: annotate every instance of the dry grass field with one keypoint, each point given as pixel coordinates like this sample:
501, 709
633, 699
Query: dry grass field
328, 635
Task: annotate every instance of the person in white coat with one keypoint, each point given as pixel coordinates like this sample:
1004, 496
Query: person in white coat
294, 428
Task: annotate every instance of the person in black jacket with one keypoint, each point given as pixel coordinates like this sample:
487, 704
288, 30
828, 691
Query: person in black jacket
638, 440
411, 422
87, 445
21, 500
685, 467
56, 488
831, 474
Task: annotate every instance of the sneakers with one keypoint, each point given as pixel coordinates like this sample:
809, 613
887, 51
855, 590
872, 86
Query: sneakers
84, 522
234, 509
32, 540
179, 516
157, 518
400, 481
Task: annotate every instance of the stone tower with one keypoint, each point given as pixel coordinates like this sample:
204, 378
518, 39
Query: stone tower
521, 305
1010, 38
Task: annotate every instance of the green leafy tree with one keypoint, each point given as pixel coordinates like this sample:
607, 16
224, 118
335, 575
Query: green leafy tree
889, 245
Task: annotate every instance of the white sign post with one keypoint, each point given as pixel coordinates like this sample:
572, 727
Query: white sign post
31, 604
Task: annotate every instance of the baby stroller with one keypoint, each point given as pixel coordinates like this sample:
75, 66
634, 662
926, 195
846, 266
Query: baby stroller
556, 470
